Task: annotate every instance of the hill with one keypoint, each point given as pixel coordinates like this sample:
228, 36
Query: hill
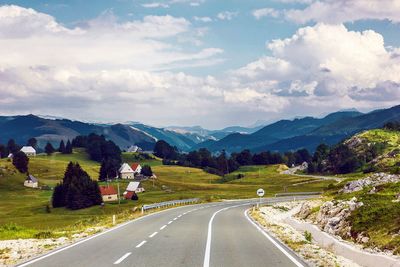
26, 207
281, 136
308, 132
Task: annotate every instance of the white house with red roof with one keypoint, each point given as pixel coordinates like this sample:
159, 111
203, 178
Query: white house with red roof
126, 172
108, 193
136, 168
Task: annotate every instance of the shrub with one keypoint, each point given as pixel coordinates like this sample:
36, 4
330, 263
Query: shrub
308, 236
43, 235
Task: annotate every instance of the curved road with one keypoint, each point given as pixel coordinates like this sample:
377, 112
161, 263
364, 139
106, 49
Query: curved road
213, 234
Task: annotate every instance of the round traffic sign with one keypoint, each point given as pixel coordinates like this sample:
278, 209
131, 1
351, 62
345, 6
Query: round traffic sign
260, 192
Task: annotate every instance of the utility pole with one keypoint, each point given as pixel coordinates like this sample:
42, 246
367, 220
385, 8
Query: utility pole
119, 198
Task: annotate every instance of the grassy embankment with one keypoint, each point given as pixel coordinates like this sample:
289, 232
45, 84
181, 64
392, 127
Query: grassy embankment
379, 217
23, 212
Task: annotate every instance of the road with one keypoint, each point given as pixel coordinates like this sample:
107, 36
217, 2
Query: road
213, 234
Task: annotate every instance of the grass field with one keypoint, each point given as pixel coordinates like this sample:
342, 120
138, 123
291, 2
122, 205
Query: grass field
26, 208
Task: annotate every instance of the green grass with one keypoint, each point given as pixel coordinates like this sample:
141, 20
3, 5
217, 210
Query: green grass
26, 208
379, 217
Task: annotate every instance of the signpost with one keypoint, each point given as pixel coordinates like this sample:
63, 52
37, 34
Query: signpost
260, 193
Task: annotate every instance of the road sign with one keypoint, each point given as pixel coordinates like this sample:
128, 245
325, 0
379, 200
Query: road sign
260, 192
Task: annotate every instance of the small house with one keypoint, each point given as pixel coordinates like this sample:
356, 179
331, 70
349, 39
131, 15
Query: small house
130, 195
134, 187
134, 148
126, 172
31, 181
136, 168
108, 193
29, 151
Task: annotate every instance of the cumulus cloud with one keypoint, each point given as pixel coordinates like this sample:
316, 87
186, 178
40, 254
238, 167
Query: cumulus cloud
328, 61
109, 70
339, 11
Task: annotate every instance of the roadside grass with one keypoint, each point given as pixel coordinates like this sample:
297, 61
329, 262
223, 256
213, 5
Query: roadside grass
26, 209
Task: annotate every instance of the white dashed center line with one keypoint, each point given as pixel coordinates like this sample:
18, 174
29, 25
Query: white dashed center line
153, 234
122, 258
175, 218
162, 227
180, 216
169, 222
141, 243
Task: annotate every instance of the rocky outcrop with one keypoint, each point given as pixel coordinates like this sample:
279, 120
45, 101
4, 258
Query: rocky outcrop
373, 180
332, 216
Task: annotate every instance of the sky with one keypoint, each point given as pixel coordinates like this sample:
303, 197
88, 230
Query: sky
212, 63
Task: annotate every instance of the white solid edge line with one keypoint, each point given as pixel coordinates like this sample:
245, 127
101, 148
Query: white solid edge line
141, 244
206, 262
96, 235
153, 234
287, 254
122, 258
162, 227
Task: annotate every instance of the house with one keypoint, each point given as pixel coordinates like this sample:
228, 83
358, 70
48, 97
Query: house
134, 187
31, 182
136, 168
134, 148
108, 193
126, 172
29, 151
130, 195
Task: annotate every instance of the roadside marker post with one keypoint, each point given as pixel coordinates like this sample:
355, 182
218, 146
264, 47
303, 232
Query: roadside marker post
113, 219
260, 193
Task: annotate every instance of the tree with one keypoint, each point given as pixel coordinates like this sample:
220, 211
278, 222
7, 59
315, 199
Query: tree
146, 171
32, 142
12, 147
108, 169
68, 148
49, 149
3, 151
61, 148
77, 190
164, 150
20, 161
244, 158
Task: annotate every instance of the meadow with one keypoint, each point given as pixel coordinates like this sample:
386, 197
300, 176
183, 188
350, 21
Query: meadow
25, 212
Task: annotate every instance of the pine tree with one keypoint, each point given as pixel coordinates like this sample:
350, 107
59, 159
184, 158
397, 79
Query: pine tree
61, 148
68, 148
20, 161
77, 190
49, 149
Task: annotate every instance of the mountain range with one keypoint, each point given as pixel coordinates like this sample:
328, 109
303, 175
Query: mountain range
283, 135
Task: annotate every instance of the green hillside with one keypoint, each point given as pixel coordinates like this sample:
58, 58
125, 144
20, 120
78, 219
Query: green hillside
26, 208
387, 143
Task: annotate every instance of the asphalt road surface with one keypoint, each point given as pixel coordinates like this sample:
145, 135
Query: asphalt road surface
213, 234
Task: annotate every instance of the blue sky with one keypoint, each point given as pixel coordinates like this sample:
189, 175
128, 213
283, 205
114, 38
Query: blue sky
189, 62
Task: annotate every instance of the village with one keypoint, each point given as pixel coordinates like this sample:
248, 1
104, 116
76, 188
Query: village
127, 172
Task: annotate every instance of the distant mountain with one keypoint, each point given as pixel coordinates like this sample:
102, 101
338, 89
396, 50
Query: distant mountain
21, 128
275, 132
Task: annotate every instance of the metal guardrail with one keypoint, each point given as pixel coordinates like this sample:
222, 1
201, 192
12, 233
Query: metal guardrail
169, 203
297, 194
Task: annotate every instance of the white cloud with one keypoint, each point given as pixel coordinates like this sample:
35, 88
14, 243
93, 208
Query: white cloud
227, 15
265, 12
167, 4
327, 61
202, 19
110, 70
339, 11
155, 5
